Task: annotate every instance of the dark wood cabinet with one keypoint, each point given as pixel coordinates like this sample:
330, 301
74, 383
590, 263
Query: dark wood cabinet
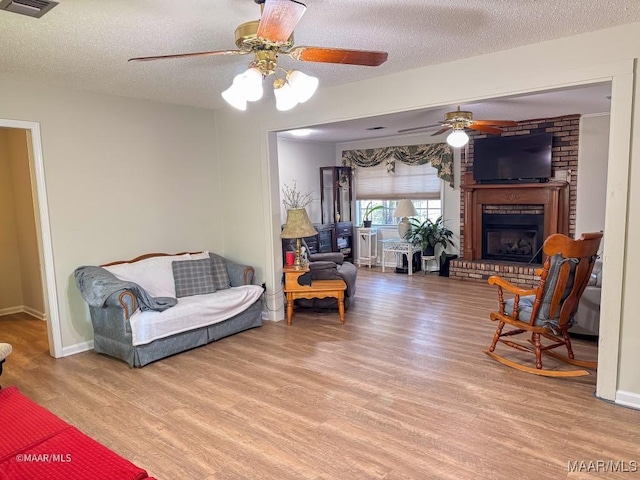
336, 194
336, 198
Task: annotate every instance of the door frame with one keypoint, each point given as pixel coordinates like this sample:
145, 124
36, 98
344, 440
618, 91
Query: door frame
43, 229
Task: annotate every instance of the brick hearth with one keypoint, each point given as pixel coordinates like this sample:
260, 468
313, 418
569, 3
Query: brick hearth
480, 270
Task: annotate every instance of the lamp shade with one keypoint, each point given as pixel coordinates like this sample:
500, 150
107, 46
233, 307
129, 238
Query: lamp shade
405, 208
285, 97
458, 138
303, 85
250, 83
234, 97
298, 224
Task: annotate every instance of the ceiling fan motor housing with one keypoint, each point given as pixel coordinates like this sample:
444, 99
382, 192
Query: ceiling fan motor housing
458, 116
247, 39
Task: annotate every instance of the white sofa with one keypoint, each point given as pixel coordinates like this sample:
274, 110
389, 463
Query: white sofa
149, 308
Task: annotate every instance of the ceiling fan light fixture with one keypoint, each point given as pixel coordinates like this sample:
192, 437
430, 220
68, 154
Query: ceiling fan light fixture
250, 83
286, 99
458, 138
235, 97
303, 85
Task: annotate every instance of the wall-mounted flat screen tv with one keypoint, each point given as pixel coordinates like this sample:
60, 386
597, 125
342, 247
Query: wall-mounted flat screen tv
518, 158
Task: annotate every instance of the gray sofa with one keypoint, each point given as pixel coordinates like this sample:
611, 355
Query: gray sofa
587, 318
112, 328
330, 266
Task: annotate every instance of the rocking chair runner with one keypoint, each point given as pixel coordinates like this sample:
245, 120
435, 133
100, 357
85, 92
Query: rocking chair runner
547, 311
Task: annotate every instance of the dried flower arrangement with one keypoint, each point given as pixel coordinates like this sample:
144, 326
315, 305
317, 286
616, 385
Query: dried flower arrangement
293, 198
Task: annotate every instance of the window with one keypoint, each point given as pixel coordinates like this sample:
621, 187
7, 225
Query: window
426, 208
375, 185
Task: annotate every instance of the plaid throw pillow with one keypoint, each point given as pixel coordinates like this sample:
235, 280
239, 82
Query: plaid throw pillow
219, 272
193, 277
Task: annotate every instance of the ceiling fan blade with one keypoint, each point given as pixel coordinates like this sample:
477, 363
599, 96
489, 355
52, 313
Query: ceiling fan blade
279, 18
499, 123
441, 131
413, 129
368, 58
485, 129
187, 55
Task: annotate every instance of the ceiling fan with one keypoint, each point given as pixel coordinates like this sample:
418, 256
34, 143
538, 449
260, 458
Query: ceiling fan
267, 38
458, 121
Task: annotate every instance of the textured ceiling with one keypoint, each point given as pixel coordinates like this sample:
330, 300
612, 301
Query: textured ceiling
590, 99
85, 44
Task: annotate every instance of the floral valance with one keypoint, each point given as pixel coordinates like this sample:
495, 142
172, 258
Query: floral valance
439, 155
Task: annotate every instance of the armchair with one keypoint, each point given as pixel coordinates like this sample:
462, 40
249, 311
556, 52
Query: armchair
330, 266
548, 310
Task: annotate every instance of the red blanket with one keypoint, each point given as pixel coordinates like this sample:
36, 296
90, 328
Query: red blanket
37, 445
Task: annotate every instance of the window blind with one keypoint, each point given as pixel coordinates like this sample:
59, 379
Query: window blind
408, 181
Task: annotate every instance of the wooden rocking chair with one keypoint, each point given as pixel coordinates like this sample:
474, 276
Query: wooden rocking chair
547, 311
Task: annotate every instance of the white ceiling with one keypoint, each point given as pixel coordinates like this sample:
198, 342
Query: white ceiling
85, 44
592, 99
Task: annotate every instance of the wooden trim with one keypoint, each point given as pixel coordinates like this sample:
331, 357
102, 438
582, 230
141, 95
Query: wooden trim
145, 256
553, 196
128, 313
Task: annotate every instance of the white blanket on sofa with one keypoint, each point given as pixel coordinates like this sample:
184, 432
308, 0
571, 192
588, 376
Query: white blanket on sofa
192, 312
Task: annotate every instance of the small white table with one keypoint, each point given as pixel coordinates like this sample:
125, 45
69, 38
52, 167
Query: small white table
402, 247
367, 246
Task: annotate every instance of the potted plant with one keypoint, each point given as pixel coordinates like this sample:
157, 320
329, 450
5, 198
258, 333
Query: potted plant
366, 218
428, 234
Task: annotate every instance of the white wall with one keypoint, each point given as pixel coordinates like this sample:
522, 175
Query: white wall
589, 58
124, 177
300, 161
593, 153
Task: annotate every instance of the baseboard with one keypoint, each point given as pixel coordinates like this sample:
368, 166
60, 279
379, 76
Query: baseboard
22, 309
77, 348
35, 313
11, 310
628, 399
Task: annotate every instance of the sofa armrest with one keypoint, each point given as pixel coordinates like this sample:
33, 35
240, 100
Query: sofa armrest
125, 300
240, 274
111, 321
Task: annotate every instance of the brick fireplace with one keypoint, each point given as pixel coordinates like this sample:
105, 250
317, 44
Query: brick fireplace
504, 225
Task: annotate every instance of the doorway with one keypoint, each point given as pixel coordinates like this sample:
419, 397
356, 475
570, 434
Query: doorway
30, 247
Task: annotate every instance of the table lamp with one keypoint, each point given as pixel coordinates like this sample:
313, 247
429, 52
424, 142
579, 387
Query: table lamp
298, 225
404, 209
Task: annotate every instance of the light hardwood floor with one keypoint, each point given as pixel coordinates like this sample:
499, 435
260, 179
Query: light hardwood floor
400, 391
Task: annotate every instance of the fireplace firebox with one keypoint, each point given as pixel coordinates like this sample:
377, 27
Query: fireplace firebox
512, 237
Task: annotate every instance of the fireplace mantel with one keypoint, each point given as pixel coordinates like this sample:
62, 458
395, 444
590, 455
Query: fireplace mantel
552, 196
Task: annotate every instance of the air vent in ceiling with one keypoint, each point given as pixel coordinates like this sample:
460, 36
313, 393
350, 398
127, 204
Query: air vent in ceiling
30, 8
375, 128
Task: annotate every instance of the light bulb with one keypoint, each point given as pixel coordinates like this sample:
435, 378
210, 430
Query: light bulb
285, 97
304, 86
250, 83
458, 138
235, 97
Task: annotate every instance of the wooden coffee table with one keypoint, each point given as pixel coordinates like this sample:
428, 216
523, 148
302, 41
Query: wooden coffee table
317, 289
